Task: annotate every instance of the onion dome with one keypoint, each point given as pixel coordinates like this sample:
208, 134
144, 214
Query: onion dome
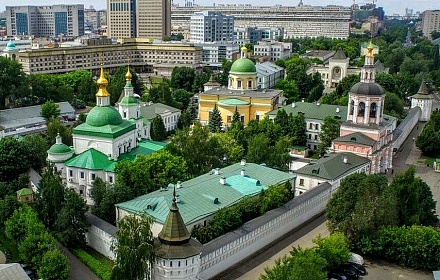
101, 116
128, 75
10, 47
370, 49
362, 88
59, 148
102, 85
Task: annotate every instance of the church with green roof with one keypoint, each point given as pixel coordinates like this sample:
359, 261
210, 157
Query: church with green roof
106, 137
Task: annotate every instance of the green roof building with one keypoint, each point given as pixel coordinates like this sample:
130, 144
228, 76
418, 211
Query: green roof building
200, 198
332, 169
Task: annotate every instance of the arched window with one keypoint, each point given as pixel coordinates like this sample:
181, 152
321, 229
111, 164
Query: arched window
249, 84
239, 84
361, 110
352, 107
373, 110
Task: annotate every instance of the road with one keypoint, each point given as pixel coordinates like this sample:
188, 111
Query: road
79, 271
377, 270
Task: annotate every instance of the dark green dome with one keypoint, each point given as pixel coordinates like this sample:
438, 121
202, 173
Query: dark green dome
243, 65
128, 101
58, 149
100, 116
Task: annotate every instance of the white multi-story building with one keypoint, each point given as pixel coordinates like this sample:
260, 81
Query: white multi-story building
273, 50
245, 35
211, 26
298, 21
430, 22
45, 21
268, 74
170, 115
214, 53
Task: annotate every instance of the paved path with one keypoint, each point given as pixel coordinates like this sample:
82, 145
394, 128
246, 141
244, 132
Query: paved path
79, 271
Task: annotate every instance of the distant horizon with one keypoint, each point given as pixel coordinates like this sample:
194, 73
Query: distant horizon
390, 6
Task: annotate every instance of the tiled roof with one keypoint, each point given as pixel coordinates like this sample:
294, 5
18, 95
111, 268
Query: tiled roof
204, 195
333, 166
423, 92
151, 111
358, 138
313, 110
12, 271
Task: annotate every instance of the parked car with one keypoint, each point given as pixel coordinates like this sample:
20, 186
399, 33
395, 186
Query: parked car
336, 275
351, 272
355, 258
361, 269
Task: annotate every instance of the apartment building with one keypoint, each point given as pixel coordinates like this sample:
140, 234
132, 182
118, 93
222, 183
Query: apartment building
214, 53
273, 50
211, 26
141, 18
245, 35
298, 21
45, 21
430, 22
156, 59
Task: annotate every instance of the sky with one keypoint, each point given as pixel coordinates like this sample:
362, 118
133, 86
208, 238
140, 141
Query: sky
390, 6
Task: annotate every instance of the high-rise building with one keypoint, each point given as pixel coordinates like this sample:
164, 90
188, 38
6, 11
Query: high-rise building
45, 21
210, 26
94, 19
139, 18
430, 22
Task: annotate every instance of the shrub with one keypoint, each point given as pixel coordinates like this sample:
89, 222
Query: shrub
101, 270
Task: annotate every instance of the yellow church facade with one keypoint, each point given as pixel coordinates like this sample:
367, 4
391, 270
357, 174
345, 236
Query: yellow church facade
241, 95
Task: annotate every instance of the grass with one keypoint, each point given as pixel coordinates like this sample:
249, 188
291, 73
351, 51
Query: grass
156, 80
431, 160
8, 247
108, 262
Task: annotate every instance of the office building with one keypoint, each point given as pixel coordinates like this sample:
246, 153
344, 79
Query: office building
94, 19
45, 21
273, 50
214, 53
140, 19
430, 22
298, 21
210, 26
245, 35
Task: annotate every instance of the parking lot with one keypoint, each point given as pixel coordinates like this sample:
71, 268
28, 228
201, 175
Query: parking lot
379, 270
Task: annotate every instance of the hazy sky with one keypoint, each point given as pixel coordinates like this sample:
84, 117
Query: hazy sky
390, 6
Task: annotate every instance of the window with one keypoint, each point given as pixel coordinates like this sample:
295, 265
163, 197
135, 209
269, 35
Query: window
249, 84
70, 173
310, 136
316, 137
257, 117
125, 115
301, 182
352, 107
93, 176
311, 126
373, 110
361, 111
238, 84
81, 175
242, 119
229, 119
317, 126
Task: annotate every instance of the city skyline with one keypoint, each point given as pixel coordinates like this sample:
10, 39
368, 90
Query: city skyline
390, 6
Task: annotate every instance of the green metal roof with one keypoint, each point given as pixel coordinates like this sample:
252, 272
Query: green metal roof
102, 116
313, 110
106, 131
243, 65
333, 166
149, 112
204, 195
59, 149
24, 191
358, 138
129, 101
232, 102
91, 159
145, 147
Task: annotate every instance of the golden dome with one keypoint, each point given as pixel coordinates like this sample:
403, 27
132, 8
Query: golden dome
244, 49
102, 84
370, 49
128, 75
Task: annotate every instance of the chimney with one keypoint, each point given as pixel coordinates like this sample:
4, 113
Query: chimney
317, 103
302, 100
217, 171
179, 185
337, 109
293, 104
223, 180
243, 162
109, 156
242, 172
345, 159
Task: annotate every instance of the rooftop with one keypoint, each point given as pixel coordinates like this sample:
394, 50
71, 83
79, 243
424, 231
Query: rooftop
224, 91
150, 111
315, 111
358, 138
202, 196
12, 271
333, 166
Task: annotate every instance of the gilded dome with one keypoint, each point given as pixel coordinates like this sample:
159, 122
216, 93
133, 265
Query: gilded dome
57, 149
128, 75
367, 89
243, 65
101, 116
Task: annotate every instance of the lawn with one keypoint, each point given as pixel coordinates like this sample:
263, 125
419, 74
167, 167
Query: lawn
98, 263
9, 248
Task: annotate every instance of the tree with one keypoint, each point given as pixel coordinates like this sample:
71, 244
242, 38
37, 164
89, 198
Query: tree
184, 120
224, 76
37, 150
415, 203
282, 119
71, 221
215, 120
134, 249
329, 132
54, 266
50, 197
289, 88
393, 105
54, 126
50, 110
14, 159
274, 197
229, 146
182, 78
117, 83
158, 131
298, 129
428, 139
23, 222
7, 207
258, 149
183, 97
34, 246
13, 81
111, 195
435, 34
335, 249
